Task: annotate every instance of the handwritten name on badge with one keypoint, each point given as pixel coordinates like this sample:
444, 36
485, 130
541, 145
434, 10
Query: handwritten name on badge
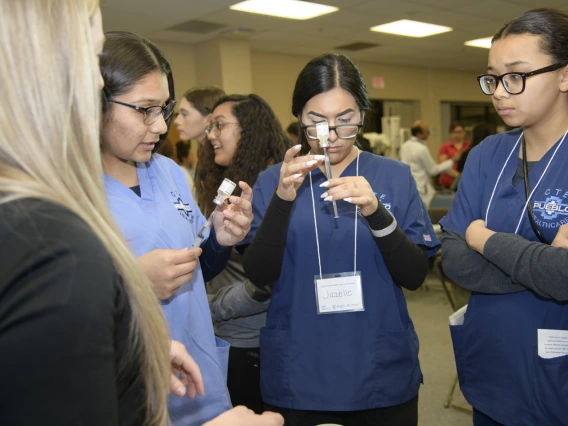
339, 294
332, 294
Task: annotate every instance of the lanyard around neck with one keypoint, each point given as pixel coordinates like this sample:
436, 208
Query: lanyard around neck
316, 222
534, 189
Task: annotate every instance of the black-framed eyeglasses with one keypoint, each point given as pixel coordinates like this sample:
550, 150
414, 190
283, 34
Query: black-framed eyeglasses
513, 82
343, 131
216, 127
152, 113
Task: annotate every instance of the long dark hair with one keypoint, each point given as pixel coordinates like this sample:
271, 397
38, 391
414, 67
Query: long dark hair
550, 24
263, 142
324, 73
126, 59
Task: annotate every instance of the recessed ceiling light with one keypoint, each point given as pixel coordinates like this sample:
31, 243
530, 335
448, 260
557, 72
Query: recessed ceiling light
408, 28
291, 9
480, 42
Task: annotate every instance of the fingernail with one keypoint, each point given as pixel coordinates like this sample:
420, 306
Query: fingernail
319, 157
180, 391
297, 175
348, 199
323, 195
328, 198
297, 147
325, 184
311, 163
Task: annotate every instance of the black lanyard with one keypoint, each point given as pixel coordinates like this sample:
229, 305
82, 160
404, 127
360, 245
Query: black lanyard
527, 194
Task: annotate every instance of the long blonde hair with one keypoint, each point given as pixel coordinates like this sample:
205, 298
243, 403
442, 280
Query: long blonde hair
49, 149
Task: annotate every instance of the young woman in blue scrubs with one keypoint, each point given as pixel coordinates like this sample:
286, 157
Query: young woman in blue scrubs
152, 204
353, 361
505, 234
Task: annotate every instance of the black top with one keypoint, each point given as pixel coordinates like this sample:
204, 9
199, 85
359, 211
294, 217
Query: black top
64, 324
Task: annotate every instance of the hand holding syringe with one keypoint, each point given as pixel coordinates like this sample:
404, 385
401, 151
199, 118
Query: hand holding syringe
225, 190
322, 129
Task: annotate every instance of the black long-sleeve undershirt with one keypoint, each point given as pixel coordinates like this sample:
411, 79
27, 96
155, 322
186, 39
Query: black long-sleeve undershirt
406, 261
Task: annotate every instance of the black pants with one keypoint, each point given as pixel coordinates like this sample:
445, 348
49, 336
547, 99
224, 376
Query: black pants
480, 419
243, 379
405, 414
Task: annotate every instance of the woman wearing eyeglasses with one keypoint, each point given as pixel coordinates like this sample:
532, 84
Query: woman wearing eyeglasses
503, 237
245, 138
339, 345
194, 116
152, 204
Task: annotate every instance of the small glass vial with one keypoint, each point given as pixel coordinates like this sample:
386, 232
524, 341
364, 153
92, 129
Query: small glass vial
322, 130
225, 190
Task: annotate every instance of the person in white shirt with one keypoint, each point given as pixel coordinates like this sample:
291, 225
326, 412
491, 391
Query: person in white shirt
416, 154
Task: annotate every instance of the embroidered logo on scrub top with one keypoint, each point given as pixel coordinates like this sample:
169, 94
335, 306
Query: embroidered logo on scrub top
551, 208
382, 198
182, 207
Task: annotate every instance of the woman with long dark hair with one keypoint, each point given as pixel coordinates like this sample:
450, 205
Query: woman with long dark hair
245, 138
339, 345
150, 199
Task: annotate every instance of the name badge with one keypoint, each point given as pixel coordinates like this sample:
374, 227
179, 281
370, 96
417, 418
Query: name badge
338, 293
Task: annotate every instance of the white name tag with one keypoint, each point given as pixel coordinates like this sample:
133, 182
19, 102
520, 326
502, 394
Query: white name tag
552, 343
336, 293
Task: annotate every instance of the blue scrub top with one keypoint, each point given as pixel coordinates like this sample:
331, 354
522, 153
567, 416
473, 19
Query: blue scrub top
167, 217
496, 349
346, 361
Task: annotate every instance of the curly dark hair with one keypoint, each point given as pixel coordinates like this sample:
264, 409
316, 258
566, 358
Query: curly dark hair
263, 142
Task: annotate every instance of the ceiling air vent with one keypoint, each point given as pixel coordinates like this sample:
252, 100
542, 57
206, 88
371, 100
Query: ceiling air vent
197, 27
353, 47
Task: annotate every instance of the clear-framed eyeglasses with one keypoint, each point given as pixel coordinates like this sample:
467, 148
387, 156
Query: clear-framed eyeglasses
216, 127
513, 82
343, 131
152, 113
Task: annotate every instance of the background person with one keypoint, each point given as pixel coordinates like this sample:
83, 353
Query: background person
416, 154
194, 116
247, 138
452, 149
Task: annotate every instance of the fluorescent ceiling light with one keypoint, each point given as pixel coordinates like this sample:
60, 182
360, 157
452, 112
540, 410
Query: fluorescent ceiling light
480, 42
408, 28
291, 9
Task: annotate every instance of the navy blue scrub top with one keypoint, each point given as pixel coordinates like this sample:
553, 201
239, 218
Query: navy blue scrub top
500, 371
345, 361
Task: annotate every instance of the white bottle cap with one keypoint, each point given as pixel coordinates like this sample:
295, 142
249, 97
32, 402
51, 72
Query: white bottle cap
225, 190
322, 130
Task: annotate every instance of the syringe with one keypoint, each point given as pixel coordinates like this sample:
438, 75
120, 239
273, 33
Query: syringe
225, 190
322, 130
